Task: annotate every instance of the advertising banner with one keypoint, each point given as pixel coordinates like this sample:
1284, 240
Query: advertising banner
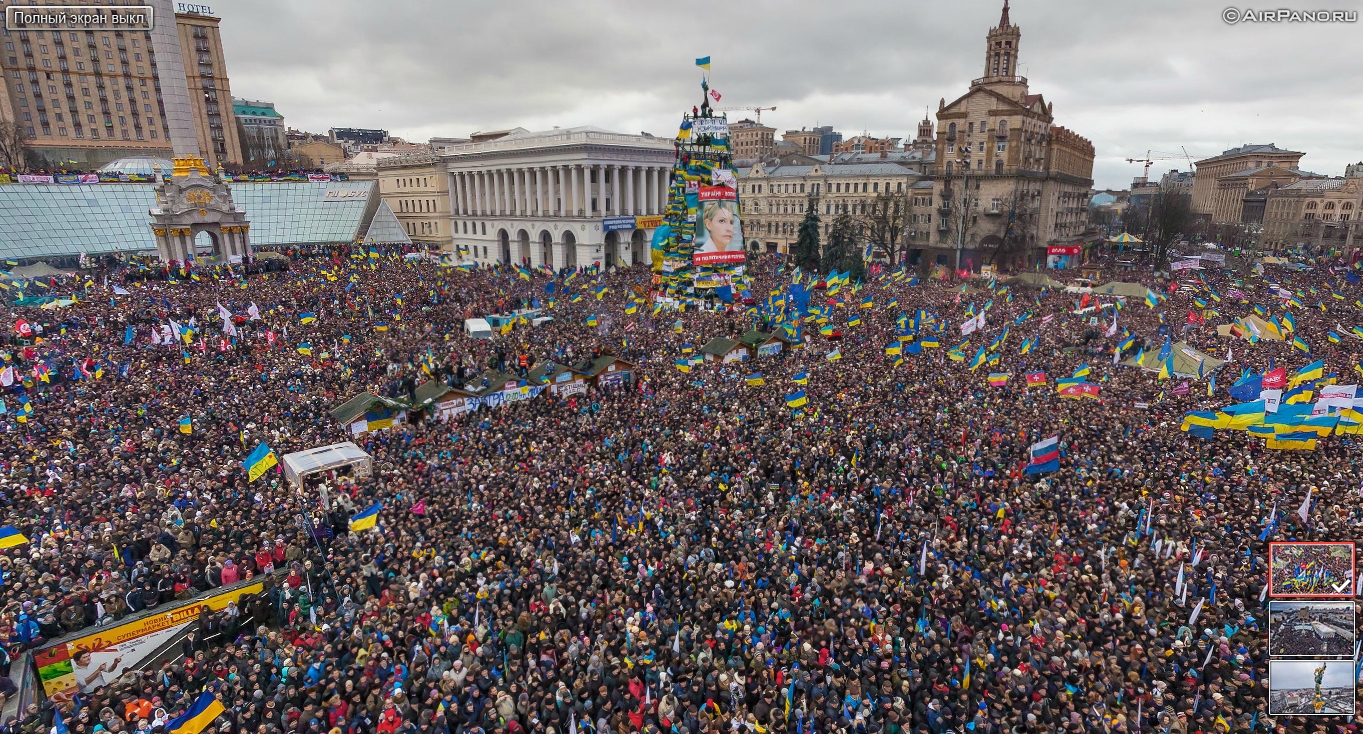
34, 178
719, 233
67, 178
88, 662
1064, 249
1186, 265
617, 224
89, 178
319, 177
648, 222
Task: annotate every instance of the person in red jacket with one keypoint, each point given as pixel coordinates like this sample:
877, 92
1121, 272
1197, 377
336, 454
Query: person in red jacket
389, 720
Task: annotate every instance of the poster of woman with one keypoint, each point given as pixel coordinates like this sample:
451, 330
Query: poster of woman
719, 234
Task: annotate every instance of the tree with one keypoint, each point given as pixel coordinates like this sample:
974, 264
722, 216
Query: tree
885, 221
807, 251
13, 144
1170, 217
1019, 234
844, 248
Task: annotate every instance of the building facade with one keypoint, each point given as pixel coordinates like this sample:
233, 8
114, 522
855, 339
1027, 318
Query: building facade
210, 94
310, 150
748, 139
563, 197
86, 98
776, 198
1007, 181
806, 141
1218, 203
1319, 213
866, 144
417, 188
261, 130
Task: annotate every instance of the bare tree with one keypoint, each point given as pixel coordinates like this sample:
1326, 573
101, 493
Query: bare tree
13, 144
1019, 233
885, 221
1170, 218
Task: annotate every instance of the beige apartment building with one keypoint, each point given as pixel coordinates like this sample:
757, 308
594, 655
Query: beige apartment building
751, 140
866, 144
776, 199
1240, 168
85, 98
1316, 213
1008, 182
807, 141
417, 189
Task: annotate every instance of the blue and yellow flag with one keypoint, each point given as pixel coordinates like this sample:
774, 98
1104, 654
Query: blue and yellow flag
755, 379
305, 348
1299, 343
206, 708
307, 317
684, 365
10, 537
1083, 371
800, 378
797, 399
261, 460
186, 425
367, 519
703, 62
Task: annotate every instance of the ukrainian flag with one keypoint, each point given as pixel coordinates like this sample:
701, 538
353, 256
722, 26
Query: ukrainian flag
10, 537
1293, 442
591, 320
854, 321
978, 360
704, 63
867, 302
206, 708
1166, 368
797, 399
305, 348
929, 342
1313, 371
186, 425
1208, 419
261, 460
1332, 336
364, 521
1299, 343
1151, 299
755, 379
687, 348
307, 317
834, 355
1083, 371
801, 378
684, 365
893, 349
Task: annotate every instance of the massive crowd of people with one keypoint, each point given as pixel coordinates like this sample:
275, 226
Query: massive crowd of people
687, 554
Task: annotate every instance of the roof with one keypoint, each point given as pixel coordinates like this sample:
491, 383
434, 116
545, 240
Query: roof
851, 169
756, 337
600, 364
547, 372
1118, 288
1258, 169
249, 110
36, 270
50, 220
350, 411
431, 391
1251, 149
1186, 359
301, 463
139, 165
1316, 184
719, 346
385, 229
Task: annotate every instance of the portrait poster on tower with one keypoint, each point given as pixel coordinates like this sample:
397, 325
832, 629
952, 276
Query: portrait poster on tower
719, 233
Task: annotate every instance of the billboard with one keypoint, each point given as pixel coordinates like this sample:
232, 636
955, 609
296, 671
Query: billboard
719, 233
87, 662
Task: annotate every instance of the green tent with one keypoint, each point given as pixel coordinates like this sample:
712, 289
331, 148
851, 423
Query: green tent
1124, 290
1186, 359
1033, 280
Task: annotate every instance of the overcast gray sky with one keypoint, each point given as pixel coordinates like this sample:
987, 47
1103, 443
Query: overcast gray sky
1160, 74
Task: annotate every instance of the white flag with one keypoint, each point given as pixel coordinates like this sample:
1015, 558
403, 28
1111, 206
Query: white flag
1210, 649
923, 560
1263, 593
572, 722
120, 291
253, 312
1196, 610
1178, 587
1305, 508
676, 642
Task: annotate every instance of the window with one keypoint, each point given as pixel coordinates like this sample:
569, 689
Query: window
951, 131
998, 168
971, 128
1000, 146
1003, 127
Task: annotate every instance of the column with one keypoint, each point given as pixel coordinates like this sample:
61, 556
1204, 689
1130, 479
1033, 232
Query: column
513, 192
529, 174
648, 191
539, 191
553, 193
629, 172
503, 192
452, 181
495, 189
601, 189
479, 193
571, 199
616, 209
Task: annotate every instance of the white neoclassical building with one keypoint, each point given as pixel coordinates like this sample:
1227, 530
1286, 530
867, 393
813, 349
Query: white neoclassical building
562, 197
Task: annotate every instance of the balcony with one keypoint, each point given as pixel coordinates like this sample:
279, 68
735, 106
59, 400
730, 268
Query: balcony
941, 225
999, 80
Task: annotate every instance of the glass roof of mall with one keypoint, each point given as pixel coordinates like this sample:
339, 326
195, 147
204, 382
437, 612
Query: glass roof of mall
53, 220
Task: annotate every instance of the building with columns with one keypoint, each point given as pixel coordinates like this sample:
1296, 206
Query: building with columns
564, 197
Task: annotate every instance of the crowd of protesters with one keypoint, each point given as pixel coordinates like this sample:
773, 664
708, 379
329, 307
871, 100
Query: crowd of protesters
685, 555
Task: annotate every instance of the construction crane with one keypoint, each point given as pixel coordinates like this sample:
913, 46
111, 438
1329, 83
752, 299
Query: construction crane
1147, 160
755, 110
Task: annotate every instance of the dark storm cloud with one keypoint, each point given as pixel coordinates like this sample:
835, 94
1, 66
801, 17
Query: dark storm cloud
1160, 75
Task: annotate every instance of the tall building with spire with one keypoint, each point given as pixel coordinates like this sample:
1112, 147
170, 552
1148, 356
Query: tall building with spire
1007, 181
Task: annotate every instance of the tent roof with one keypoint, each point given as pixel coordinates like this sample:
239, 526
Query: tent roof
36, 270
301, 463
357, 406
1124, 237
755, 337
719, 346
1118, 288
1186, 359
1035, 280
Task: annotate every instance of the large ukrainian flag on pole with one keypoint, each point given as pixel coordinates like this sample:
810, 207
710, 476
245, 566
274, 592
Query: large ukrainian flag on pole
260, 461
205, 709
365, 520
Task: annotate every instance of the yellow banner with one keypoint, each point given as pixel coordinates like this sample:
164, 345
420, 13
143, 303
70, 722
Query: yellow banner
648, 222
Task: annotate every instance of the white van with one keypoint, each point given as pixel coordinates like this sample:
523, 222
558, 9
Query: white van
477, 328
